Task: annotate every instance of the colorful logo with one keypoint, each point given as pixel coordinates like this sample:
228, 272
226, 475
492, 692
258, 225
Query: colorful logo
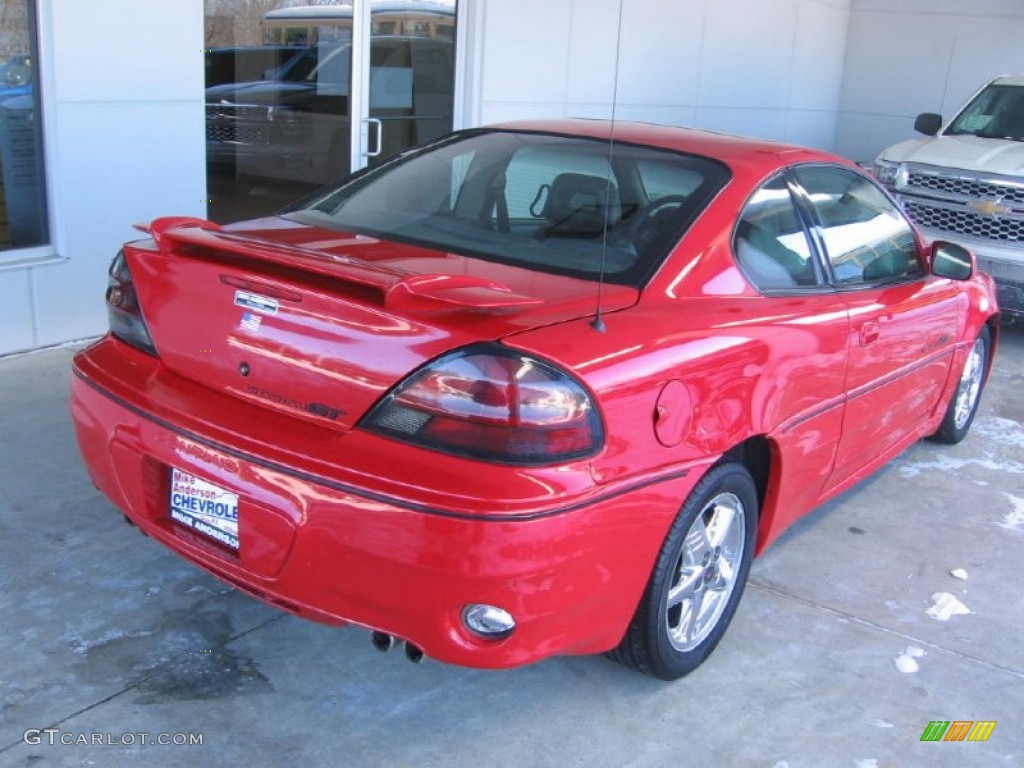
958, 730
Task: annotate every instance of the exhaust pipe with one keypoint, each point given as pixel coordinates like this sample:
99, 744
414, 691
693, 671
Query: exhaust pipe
413, 653
382, 641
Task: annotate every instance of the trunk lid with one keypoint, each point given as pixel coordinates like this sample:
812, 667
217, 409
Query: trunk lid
321, 323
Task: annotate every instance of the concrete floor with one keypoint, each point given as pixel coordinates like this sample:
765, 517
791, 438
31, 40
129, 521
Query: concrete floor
104, 632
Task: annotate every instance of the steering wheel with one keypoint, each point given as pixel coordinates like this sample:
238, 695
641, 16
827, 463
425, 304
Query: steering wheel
642, 219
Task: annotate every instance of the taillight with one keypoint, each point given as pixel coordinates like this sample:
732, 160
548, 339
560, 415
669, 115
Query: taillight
123, 312
491, 403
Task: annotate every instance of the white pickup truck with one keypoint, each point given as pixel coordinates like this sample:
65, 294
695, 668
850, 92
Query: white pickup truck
965, 182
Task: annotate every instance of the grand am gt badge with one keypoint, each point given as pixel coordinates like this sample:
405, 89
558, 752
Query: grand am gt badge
317, 409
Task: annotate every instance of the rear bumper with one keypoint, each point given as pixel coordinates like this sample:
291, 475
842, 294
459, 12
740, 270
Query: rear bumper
570, 570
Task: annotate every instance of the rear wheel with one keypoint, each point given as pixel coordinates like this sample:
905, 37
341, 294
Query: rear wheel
964, 405
698, 578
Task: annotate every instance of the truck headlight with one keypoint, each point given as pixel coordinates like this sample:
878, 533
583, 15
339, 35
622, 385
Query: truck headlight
890, 174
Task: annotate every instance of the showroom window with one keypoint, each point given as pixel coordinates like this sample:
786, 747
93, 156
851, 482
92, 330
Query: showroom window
283, 92
23, 222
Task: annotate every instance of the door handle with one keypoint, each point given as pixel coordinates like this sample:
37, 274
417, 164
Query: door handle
868, 333
373, 121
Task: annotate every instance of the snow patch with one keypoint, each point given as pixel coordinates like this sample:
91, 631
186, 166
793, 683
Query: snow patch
867, 763
906, 663
1002, 431
1014, 520
879, 723
959, 573
81, 646
946, 605
946, 464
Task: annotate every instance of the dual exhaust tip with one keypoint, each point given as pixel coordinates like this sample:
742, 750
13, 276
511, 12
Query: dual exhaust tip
384, 642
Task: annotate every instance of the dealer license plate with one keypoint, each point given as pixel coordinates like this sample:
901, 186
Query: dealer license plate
204, 507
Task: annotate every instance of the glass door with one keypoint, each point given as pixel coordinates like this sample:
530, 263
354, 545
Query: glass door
407, 73
300, 95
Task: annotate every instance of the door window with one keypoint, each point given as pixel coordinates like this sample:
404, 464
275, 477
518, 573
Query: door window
868, 240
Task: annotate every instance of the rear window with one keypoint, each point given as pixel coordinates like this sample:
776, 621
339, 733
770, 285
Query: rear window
547, 202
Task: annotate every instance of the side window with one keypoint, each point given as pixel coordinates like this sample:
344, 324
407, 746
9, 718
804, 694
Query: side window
866, 236
771, 243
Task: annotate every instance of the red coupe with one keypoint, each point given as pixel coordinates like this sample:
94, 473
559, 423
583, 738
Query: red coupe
536, 389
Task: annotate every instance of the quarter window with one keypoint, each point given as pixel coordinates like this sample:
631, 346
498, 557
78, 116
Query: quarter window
771, 243
868, 240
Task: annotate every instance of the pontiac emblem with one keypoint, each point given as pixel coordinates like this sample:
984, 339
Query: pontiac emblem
989, 207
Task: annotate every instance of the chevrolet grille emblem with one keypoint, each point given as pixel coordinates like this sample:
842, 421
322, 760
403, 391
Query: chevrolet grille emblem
988, 207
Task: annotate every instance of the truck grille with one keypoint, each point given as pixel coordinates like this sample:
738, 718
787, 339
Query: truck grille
949, 203
963, 222
239, 124
966, 187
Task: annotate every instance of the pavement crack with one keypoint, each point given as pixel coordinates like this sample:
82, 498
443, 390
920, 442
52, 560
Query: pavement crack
252, 629
83, 710
881, 628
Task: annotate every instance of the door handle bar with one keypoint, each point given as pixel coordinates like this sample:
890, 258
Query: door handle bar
373, 121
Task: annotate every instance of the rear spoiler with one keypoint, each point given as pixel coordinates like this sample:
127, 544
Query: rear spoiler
396, 289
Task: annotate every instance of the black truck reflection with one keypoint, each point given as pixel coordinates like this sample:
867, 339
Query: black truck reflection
295, 125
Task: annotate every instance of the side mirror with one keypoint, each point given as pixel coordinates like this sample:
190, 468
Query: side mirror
928, 123
951, 261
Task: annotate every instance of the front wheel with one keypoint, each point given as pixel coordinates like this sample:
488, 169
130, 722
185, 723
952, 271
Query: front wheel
698, 578
964, 405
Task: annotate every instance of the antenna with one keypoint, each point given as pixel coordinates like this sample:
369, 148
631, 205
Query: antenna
598, 322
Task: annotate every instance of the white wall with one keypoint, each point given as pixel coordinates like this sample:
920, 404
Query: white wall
905, 57
122, 87
770, 68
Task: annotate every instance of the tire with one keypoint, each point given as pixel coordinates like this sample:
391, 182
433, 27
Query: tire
698, 578
963, 406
